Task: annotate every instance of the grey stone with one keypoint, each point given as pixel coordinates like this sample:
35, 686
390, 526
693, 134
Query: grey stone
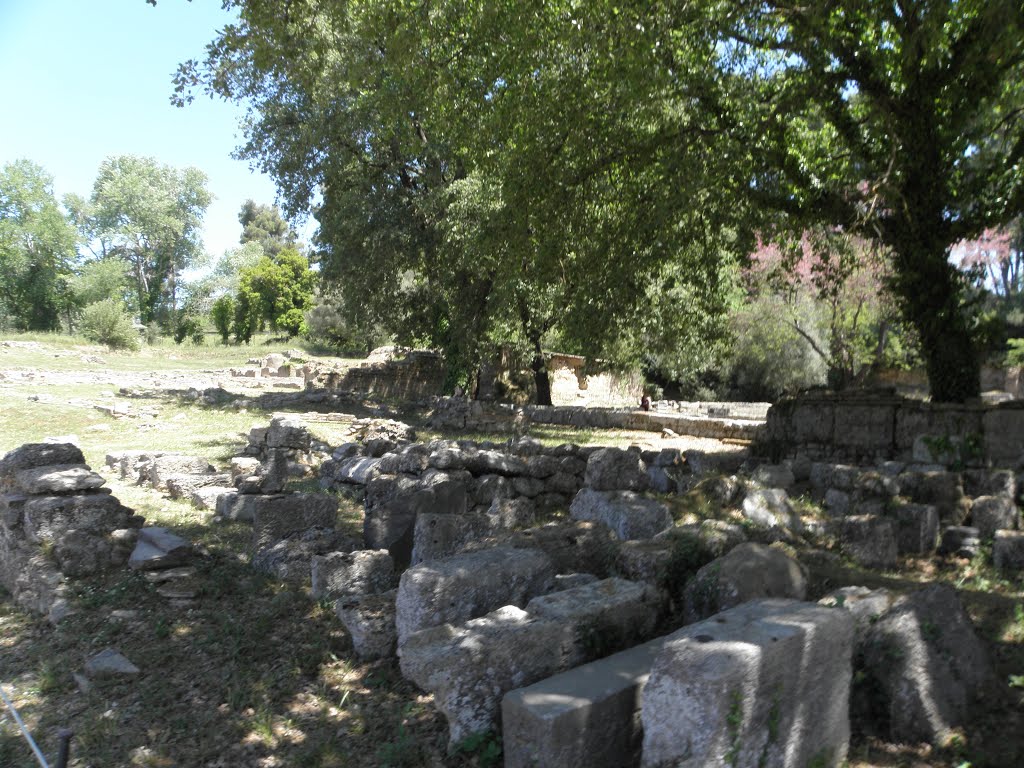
529, 487
233, 505
163, 466
876, 485
207, 497
993, 513
645, 560
403, 461
288, 431
943, 489
837, 502
290, 559
108, 664
446, 458
469, 585
437, 535
573, 580
917, 528
58, 479
863, 604
47, 518
510, 514
542, 467
280, 516
339, 575
764, 684
391, 525
586, 717
184, 486
158, 548
488, 462
491, 487
773, 476
35, 455
469, 668
1008, 550
842, 477
960, 540
627, 514
606, 616
749, 571
370, 621
614, 469
710, 463
995, 482
723, 490
562, 482
358, 470
770, 508
578, 547
927, 663
81, 553
869, 540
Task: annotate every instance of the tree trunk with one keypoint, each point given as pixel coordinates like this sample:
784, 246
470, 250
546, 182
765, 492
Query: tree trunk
539, 367
930, 291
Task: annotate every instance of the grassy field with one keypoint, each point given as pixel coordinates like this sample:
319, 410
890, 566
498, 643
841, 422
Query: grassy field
252, 672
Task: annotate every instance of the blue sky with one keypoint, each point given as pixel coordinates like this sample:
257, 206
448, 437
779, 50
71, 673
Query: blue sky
81, 80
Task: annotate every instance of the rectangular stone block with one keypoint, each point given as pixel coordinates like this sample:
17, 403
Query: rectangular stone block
864, 428
1008, 550
1004, 436
764, 684
587, 717
279, 516
917, 528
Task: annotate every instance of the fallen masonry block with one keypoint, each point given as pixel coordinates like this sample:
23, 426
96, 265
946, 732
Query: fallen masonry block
960, 540
611, 469
47, 518
994, 513
436, 536
764, 684
59, 479
870, 540
606, 615
627, 514
587, 717
577, 547
747, 572
35, 455
391, 524
279, 516
162, 467
158, 548
470, 668
917, 528
290, 559
370, 621
923, 666
183, 486
465, 586
207, 497
232, 505
348, 574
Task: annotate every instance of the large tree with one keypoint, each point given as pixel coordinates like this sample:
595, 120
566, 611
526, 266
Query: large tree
265, 225
37, 248
149, 215
902, 120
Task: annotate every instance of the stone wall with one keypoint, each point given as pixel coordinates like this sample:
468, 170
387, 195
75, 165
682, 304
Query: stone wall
867, 427
418, 375
573, 384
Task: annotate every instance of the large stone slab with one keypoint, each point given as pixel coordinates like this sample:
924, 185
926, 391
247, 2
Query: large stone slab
470, 668
58, 479
436, 536
390, 524
339, 575
578, 547
370, 621
870, 540
1008, 550
469, 585
587, 717
34, 455
747, 572
994, 513
157, 549
628, 514
925, 665
917, 528
47, 518
278, 517
764, 684
615, 469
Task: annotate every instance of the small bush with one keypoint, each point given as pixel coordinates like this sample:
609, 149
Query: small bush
107, 322
1015, 356
189, 327
223, 314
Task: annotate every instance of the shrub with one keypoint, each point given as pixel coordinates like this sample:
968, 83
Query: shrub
107, 322
189, 327
223, 314
1015, 356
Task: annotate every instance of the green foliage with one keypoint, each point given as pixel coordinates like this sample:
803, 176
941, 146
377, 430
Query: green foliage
1015, 356
99, 280
149, 216
485, 747
37, 245
189, 326
223, 314
330, 325
107, 322
263, 224
276, 291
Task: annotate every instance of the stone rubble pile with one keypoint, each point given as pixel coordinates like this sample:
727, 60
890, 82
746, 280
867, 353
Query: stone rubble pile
57, 521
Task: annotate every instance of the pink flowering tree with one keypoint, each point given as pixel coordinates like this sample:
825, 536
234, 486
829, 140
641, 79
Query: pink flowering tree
996, 257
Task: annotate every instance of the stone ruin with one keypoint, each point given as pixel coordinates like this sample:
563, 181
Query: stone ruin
570, 632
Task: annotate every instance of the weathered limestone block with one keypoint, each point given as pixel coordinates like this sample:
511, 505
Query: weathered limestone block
628, 514
841, 477
1008, 550
917, 528
279, 516
370, 621
243, 466
487, 488
446, 458
994, 513
764, 684
863, 604
57, 479
47, 518
207, 497
747, 572
943, 489
990, 482
469, 585
770, 508
410, 460
607, 616
287, 431
358, 470
869, 540
837, 503
529, 487
541, 466
391, 525
711, 463
773, 476
470, 667
586, 717
865, 429
158, 548
35, 455
578, 547
510, 514
1002, 428
960, 540
486, 462
614, 469
157, 471
183, 486
436, 536
289, 559
233, 505
925, 659
341, 575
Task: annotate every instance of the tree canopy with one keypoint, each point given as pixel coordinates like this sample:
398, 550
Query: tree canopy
37, 248
513, 172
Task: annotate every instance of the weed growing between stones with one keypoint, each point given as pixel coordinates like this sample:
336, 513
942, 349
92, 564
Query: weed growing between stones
734, 723
483, 748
